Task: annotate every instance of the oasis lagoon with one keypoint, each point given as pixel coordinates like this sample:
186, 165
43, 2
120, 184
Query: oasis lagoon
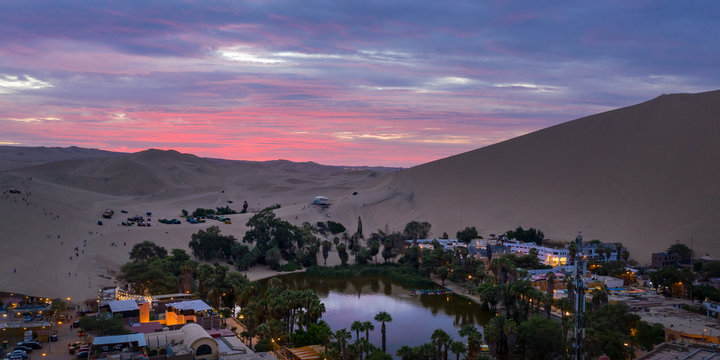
415, 317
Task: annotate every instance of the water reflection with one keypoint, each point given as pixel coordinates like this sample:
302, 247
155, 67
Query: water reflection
414, 317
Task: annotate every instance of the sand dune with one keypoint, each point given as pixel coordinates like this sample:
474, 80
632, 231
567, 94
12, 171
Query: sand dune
15, 157
645, 175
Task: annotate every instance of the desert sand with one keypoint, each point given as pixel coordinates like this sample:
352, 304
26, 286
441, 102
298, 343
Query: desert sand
645, 175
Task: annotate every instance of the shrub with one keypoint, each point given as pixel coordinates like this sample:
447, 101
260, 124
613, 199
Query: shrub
290, 266
263, 345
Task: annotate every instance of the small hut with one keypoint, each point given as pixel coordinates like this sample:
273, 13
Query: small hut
321, 201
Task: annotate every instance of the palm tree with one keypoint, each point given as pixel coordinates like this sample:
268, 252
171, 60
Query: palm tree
573, 252
362, 346
504, 269
550, 277
489, 295
458, 347
383, 317
440, 338
204, 273
367, 326
500, 334
326, 246
342, 336
474, 339
356, 326
405, 353
187, 269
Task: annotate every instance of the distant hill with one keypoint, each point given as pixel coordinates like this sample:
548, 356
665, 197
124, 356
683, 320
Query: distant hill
646, 175
15, 157
156, 171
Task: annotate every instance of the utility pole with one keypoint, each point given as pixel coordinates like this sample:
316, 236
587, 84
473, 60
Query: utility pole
579, 298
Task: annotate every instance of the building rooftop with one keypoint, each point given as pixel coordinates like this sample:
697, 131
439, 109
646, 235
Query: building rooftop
145, 328
120, 339
195, 305
123, 305
672, 351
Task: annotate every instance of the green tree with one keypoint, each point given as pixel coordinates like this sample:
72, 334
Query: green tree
357, 326
335, 227
374, 246
529, 235
342, 252
501, 335
442, 272
368, 326
550, 278
209, 244
342, 336
468, 234
326, 246
362, 255
383, 317
147, 250
474, 339
379, 355
359, 232
647, 336
441, 340
458, 348
103, 324
540, 338
415, 230
609, 329
683, 251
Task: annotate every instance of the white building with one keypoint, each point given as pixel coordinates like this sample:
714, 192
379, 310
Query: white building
592, 251
447, 244
546, 255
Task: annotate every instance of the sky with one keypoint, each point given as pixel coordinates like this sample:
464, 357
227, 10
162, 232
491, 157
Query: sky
393, 83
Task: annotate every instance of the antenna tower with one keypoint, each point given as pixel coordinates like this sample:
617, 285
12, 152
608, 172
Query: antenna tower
579, 297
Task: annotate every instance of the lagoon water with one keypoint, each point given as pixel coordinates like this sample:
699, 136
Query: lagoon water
414, 317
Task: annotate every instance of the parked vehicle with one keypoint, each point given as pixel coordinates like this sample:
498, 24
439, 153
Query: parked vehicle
20, 353
83, 354
75, 324
73, 346
26, 349
17, 355
31, 344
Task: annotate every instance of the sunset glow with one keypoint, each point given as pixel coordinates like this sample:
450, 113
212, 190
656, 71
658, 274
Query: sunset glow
372, 83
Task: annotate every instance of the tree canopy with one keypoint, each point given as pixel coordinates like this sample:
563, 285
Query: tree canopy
468, 234
529, 235
147, 250
417, 230
683, 251
209, 244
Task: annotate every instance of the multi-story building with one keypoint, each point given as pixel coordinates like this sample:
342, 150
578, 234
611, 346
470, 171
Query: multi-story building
602, 252
546, 255
664, 259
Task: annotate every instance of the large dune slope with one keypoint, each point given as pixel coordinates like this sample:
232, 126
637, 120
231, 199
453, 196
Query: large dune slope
646, 175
